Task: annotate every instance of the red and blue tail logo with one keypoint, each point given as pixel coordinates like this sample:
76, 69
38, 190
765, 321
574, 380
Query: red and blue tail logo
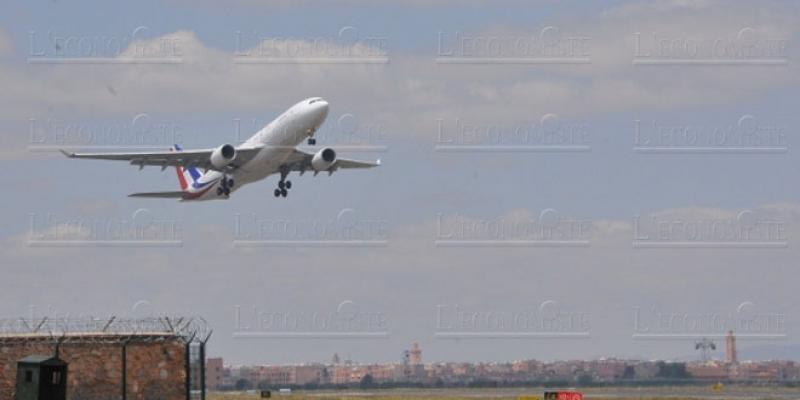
186, 176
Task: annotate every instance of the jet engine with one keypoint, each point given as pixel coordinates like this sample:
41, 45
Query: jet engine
222, 156
323, 159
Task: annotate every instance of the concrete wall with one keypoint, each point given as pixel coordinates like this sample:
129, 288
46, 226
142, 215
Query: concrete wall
155, 370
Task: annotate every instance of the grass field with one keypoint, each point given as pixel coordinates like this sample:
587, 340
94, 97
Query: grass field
606, 393
432, 397
347, 397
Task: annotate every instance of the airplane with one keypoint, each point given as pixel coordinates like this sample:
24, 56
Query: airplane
272, 150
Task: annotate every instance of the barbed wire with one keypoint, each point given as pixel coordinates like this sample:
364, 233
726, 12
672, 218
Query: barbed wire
186, 328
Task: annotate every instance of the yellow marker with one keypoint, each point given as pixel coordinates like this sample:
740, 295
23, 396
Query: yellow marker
528, 397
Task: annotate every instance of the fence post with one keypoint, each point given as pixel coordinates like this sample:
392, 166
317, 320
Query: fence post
188, 370
125, 370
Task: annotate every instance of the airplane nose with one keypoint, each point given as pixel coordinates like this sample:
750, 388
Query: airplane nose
321, 109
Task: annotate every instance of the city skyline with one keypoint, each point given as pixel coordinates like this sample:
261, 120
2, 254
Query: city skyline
413, 370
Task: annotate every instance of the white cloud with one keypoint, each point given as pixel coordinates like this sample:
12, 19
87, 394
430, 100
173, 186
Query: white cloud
210, 79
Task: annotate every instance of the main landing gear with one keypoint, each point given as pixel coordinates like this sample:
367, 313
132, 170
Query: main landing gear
225, 186
283, 188
283, 184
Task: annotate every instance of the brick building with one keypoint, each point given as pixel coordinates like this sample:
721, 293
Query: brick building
154, 360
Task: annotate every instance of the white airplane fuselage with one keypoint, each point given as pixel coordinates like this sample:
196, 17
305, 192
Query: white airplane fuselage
279, 139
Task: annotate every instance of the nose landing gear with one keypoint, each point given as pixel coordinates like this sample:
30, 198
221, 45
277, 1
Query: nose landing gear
312, 141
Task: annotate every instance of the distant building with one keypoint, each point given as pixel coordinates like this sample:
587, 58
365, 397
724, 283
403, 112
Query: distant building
415, 354
645, 370
608, 370
730, 348
710, 371
343, 374
307, 374
215, 372
766, 371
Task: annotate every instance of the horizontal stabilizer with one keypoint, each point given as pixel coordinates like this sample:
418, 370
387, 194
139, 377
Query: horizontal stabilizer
160, 195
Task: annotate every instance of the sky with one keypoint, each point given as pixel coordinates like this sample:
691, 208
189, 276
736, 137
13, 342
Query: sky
559, 179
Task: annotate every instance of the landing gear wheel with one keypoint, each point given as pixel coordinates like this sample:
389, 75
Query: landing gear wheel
227, 192
277, 192
312, 141
230, 182
220, 191
288, 184
284, 192
281, 185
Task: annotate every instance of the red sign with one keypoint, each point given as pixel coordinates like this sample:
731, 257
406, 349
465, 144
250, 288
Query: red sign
563, 395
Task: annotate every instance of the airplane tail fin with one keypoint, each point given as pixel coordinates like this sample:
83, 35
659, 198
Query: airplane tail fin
186, 176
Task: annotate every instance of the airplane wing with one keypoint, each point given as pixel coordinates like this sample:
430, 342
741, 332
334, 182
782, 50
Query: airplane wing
301, 161
160, 195
182, 158
345, 163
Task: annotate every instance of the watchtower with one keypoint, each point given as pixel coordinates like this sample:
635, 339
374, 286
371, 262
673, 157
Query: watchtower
41, 378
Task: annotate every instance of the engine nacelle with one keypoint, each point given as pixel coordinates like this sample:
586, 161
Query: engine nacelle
222, 156
323, 159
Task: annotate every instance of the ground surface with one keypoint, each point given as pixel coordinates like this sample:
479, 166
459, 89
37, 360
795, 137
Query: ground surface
646, 393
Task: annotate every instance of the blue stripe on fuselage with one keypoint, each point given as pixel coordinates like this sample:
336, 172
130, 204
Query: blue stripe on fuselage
198, 185
194, 173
